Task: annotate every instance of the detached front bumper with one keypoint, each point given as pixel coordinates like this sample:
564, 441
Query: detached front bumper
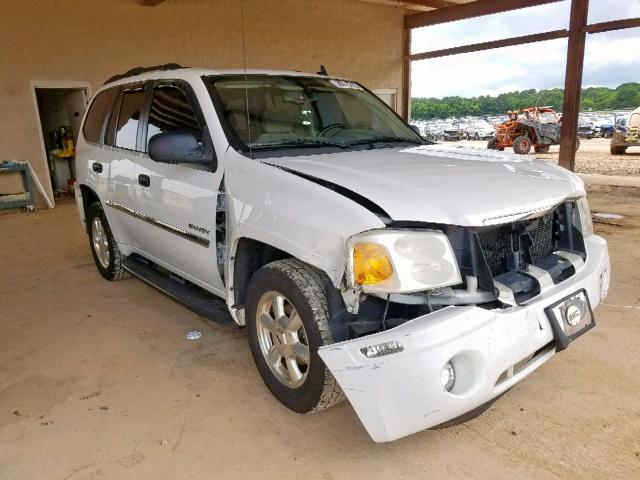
491, 350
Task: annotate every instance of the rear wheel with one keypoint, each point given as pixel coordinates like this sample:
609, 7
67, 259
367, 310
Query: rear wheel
106, 254
542, 148
287, 321
522, 145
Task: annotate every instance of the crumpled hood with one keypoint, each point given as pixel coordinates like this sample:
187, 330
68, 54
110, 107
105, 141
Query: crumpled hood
444, 183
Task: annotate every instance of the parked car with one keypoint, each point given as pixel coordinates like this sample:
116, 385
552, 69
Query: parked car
605, 129
357, 262
586, 129
451, 133
480, 130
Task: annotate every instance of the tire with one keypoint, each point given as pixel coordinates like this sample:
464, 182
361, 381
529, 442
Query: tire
493, 145
110, 265
617, 150
522, 145
302, 290
542, 148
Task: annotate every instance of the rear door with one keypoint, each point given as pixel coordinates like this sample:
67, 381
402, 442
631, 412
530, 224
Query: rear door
113, 162
179, 201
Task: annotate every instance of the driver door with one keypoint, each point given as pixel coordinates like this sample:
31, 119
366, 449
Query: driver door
178, 202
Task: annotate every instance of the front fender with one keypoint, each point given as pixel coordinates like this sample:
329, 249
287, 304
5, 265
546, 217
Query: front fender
302, 218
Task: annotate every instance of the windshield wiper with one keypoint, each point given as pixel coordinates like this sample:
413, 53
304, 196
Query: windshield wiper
298, 143
389, 140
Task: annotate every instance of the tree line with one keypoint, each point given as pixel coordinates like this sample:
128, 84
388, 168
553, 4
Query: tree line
624, 96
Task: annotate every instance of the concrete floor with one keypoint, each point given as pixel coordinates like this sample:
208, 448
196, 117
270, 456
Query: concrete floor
97, 381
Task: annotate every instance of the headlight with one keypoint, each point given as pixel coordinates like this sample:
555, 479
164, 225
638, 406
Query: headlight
393, 261
585, 217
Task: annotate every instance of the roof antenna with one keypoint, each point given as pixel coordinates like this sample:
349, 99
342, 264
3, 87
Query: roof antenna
323, 71
246, 83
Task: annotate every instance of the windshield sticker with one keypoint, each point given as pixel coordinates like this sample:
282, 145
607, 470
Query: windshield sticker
346, 84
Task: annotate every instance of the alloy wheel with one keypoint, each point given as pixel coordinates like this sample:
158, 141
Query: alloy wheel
282, 339
100, 242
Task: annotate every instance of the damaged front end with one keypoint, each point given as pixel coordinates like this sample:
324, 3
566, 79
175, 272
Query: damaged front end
410, 358
493, 266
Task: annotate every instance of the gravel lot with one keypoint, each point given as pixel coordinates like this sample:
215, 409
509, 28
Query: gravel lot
593, 157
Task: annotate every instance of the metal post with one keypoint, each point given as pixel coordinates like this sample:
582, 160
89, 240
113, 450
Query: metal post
573, 82
406, 75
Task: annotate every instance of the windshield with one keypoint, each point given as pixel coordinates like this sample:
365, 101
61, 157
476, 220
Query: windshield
547, 117
301, 112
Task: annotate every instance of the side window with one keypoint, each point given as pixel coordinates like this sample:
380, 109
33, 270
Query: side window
126, 130
97, 115
171, 111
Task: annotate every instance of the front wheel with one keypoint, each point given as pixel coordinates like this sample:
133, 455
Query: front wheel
287, 321
106, 254
617, 150
493, 144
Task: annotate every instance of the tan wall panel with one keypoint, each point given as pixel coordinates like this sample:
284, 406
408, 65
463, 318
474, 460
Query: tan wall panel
94, 39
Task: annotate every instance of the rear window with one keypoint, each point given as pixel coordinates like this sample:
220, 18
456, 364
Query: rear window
98, 114
129, 119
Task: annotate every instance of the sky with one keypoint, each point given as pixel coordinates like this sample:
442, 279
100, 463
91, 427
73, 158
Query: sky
609, 57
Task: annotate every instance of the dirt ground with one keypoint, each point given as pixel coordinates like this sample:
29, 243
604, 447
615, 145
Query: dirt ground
97, 381
592, 157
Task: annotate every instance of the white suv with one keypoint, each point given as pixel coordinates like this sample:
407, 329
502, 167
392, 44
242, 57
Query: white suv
421, 281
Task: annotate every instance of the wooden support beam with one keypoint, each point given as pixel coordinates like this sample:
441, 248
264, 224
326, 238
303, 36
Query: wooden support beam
573, 82
431, 3
477, 47
468, 10
613, 25
406, 76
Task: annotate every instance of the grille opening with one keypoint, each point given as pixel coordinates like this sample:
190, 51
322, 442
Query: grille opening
508, 249
531, 241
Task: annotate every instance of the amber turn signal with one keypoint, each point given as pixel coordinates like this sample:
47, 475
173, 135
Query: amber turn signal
371, 263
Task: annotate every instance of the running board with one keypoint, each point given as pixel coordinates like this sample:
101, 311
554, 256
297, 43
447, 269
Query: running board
196, 299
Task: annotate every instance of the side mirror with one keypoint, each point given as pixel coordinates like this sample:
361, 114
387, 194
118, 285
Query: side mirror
180, 146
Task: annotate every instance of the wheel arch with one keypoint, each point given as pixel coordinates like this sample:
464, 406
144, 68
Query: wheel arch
89, 196
249, 255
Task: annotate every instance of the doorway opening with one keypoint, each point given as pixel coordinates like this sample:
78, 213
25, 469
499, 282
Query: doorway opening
59, 108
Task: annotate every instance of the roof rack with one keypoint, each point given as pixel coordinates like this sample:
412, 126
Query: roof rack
139, 70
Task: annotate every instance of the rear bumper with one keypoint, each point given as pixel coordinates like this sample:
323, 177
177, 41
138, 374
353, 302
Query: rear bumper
491, 350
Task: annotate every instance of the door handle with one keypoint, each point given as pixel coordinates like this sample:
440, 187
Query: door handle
97, 167
144, 180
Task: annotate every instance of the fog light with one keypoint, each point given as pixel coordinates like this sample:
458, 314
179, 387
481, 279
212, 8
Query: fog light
382, 349
448, 377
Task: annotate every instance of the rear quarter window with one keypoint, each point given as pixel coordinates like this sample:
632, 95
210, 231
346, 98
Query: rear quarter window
98, 114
